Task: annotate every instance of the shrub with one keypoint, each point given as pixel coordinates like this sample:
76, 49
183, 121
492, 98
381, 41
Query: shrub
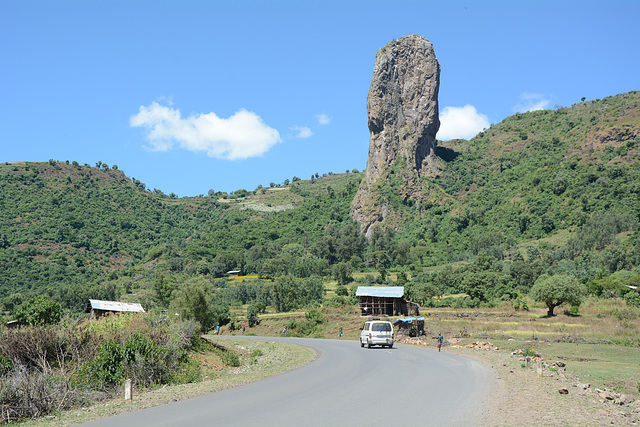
40, 310
342, 291
574, 310
5, 365
624, 314
230, 358
255, 355
33, 348
529, 352
632, 298
30, 395
252, 315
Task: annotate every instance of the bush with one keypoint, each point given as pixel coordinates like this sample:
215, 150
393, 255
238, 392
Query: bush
55, 367
252, 315
230, 358
30, 395
342, 291
5, 365
39, 311
632, 298
624, 314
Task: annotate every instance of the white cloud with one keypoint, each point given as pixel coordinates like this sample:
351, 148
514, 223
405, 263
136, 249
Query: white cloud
323, 119
531, 102
302, 131
241, 136
461, 122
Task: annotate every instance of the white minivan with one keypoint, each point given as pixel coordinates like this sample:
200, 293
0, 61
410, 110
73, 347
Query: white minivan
377, 332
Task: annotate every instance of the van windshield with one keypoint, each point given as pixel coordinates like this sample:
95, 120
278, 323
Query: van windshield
381, 327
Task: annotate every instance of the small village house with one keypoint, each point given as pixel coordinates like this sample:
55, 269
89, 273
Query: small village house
384, 301
98, 308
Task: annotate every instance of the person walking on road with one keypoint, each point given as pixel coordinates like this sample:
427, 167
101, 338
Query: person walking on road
439, 341
340, 332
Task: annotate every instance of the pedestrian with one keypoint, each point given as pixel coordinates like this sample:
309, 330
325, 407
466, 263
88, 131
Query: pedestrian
284, 331
340, 332
242, 329
217, 329
439, 341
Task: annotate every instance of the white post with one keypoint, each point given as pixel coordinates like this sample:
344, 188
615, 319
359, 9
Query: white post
128, 390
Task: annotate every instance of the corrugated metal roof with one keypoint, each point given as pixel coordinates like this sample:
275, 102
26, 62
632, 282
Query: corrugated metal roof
380, 291
114, 306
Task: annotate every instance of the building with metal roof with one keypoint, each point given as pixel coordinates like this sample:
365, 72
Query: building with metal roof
98, 308
380, 291
383, 301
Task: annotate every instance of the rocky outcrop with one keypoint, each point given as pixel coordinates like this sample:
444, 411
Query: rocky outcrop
402, 107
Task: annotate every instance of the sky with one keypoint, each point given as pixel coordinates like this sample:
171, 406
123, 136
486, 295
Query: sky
189, 96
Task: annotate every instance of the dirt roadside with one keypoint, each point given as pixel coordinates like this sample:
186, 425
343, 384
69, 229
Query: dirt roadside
523, 397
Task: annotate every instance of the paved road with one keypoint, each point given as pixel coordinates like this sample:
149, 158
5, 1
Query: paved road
345, 386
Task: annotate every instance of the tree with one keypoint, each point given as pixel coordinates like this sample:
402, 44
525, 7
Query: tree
252, 315
198, 299
524, 274
482, 285
39, 310
342, 291
557, 290
286, 293
342, 272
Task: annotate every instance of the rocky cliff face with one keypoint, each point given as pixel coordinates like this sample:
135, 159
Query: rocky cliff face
403, 120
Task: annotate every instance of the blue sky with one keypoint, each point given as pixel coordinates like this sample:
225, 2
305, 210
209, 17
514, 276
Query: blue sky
188, 96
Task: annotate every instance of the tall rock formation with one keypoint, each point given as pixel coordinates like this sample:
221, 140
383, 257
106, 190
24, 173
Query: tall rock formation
403, 121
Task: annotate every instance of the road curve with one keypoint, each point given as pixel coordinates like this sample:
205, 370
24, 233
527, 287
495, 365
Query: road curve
345, 386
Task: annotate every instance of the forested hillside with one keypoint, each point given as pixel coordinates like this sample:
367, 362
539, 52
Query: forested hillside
552, 191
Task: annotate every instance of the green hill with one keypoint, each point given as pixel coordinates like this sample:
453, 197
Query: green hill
558, 188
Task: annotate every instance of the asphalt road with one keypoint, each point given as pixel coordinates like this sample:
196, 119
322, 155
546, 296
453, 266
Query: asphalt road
345, 386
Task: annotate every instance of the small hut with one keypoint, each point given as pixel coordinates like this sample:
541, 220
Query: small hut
384, 301
97, 308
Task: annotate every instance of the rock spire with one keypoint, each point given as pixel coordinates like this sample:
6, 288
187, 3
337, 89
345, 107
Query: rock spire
402, 108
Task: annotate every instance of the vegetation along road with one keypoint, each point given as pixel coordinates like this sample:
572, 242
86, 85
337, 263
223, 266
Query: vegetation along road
345, 385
